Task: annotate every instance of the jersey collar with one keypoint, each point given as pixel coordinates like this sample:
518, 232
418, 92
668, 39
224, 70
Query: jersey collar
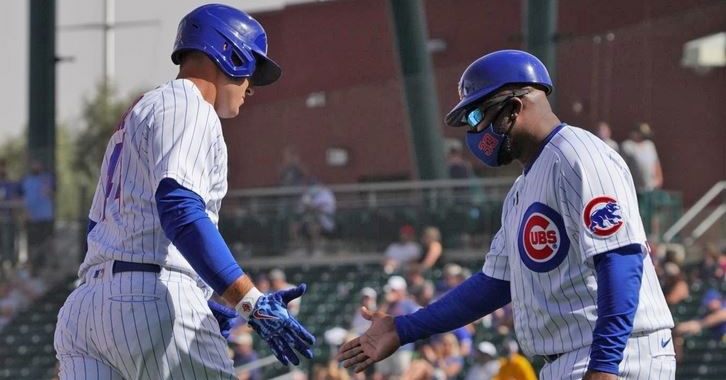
542, 145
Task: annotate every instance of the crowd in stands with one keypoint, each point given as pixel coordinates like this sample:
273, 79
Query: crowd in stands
460, 354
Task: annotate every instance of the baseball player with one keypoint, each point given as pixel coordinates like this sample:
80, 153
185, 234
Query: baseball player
571, 255
154, 252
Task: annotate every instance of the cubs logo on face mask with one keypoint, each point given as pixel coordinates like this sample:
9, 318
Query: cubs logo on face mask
542, 238
602, 216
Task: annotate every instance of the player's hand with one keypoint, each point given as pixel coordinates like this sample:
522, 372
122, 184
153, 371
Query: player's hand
279, 329
594, 375
224, 316
376, 344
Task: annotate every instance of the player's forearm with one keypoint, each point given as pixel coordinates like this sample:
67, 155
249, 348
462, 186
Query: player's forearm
238, 289
476, 297
619, 275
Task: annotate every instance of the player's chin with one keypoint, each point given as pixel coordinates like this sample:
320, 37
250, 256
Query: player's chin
228, 113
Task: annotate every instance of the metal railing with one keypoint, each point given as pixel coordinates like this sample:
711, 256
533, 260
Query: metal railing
354, 195
368, 215
696, 210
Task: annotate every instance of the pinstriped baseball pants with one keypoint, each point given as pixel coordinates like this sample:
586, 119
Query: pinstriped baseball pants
139, 325
646, 356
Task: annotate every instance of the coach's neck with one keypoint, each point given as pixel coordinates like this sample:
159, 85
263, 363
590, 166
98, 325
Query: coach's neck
198, 68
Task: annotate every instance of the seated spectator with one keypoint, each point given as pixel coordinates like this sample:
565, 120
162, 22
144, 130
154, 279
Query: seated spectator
714, 318
368, 297
440, 359
397, 303
244, 354
432, 248
514, 365
423, 294
459, 168
403, 252
263, 283
449, 361
453, 275
675, 287
414, 277
486, 364
316, 214
278, 281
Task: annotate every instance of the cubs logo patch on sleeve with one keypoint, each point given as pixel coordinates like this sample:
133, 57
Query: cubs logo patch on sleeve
602, 217
543, 241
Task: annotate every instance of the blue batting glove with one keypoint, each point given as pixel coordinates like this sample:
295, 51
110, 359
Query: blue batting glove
278, 328
225, 317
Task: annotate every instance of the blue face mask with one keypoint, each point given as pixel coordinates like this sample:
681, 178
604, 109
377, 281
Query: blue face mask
487, 143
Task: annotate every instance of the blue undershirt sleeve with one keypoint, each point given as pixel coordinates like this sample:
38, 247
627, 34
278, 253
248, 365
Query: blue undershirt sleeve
619, 275
185, 222
474, 298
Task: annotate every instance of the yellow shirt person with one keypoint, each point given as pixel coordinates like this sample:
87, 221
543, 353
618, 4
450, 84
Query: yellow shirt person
515, 367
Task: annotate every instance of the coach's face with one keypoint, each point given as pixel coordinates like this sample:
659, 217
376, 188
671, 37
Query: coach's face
231, 95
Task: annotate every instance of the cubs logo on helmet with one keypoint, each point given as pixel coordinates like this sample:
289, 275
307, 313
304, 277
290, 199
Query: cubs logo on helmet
542, 238
602, 216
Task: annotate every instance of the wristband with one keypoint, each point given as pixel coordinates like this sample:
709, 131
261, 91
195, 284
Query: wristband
248, 302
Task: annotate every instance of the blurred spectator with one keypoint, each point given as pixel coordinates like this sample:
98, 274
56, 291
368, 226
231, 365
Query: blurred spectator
316, 215
714, 318
675, 287
604, 133
263, 283
38, 190
459, 168
331, 371
441, 360
453, 275
9, 193
449, 361
292, 172
17, 292
642, 158
397, 303
486, 365
244, 354
414, 277
514, 366
404, 251
432, 248
714, 263
368, 298
278, 281
423, 293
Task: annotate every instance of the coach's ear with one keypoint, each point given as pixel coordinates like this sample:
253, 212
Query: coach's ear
513, 108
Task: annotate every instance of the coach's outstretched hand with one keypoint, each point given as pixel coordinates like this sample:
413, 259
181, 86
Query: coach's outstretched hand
279, 329
376, 344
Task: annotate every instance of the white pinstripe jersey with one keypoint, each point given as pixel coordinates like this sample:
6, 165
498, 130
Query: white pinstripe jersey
576, 200
170, 132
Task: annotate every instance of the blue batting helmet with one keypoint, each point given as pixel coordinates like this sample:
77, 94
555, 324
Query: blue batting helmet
229, 37
492, 72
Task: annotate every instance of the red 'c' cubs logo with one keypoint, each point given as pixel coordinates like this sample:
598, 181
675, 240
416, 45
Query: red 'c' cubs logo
602, 216
543, 242
487, 144
541, 237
